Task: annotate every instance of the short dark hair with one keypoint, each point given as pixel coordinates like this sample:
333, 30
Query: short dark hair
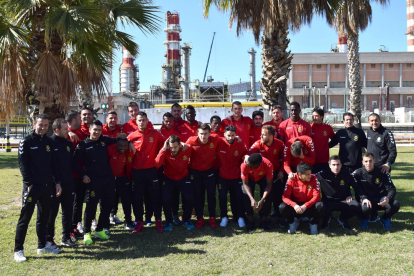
235, 103
72, 114
257, 113
303, 167
319, 111
57, 123
277, 107
174, 139
348, 114
205, 126
176, 105
334, 157
296, 104
296, 148
96, 123
167, 115
215, 117
368, 154
142, 113
132, 104
86, 108
270, 129
230, 128
121, 137
190, 107
255, 159
42, 116
112, 112
374, 114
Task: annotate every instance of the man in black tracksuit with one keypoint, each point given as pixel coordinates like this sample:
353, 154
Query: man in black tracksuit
64, 153
336, 193
37, 161
351, 141
381, 144
377, 192
98, 178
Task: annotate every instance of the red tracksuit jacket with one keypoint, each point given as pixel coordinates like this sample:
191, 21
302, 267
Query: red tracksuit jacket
297, 191
308, 152
175, 167
203, 154
230, 157
148, 143
256, 174
272, 153
121, 164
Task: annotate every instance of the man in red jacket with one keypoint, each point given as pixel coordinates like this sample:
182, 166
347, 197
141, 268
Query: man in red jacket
296, 150
230, 154
272, 149
177, 111
258, 170
242, 124
215, 124
189, 128
131, 125
321, 133
302, 197
167, 129
256, 130
277, 114
120, 158
294, 126
175, 161
148, 143
111, 128
201, 173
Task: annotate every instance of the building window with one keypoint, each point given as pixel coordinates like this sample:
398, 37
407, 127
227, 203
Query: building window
372, 65
336, 66
391, 65
318, 66
408, 65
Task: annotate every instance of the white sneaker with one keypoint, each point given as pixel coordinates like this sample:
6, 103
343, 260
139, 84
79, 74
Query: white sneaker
224, 222
241, 222
79, 227
94, 224
293, 226
313, 229
19, 256
47, 250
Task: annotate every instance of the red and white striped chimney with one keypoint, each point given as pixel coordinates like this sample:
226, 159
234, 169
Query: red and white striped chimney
173, 31
410, 25
342, 43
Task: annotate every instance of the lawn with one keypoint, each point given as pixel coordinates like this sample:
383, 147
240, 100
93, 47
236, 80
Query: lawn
228, 250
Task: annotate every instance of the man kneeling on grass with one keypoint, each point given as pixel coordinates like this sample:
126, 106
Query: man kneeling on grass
377, 192
302, 198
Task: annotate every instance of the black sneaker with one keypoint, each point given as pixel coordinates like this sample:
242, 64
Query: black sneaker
344, 224
249, 226
273, 214
282, 222
265, 225
52, 244
374, 217
68, 243
325, 224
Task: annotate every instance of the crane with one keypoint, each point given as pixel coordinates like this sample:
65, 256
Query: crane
208, 60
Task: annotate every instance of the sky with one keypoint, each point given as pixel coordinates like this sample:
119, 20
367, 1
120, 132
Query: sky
229, 59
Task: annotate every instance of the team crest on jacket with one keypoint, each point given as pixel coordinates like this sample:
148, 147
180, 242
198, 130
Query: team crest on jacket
29, 199
377, 181
47, 148
325, 133
379, 139
236, 153
68, 148
124, 159
342, 182
92, 193
151, 139
300, 129
211, 145
309, 187
129, 158
191, 177
185, 157
260, 173
274, 151
356, 137
103, 144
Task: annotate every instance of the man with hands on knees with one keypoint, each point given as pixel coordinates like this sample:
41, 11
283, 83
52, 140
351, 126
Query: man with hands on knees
257, 170
302, 198
377, 192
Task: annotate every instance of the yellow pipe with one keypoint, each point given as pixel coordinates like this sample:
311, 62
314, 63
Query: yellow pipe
211, 104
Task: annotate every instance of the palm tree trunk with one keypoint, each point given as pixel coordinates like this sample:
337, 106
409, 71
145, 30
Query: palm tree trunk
276, 67
354, 78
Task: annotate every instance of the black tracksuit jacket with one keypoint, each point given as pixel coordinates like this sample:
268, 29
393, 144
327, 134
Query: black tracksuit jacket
382, 145
374, 183
64, 152
337, 187
351, 141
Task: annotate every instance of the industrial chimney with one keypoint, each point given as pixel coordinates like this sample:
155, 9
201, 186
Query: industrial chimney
172, 44
252, 54
186, 68
342, 43
128, 80
410, 25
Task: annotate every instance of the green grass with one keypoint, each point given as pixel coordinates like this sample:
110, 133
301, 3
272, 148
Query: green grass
221, 251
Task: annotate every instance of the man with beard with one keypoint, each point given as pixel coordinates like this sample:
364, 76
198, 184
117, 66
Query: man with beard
256, 130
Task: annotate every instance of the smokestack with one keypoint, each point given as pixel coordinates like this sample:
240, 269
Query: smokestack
172, 44
410, 25
342, 43
186, 68
127, 73
252, 53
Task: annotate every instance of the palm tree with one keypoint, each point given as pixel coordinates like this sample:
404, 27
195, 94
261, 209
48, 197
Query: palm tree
53, 50
353, 16
273, 19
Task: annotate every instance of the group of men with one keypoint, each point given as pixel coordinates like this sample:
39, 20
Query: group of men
86, 161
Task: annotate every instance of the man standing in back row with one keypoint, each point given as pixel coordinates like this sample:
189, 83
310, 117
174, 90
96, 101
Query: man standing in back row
243, 124
131, 125
294, 126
